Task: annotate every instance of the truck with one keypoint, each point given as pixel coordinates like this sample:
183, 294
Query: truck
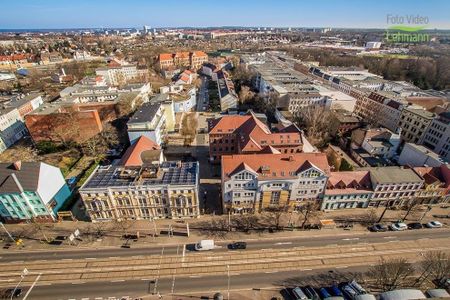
204, 245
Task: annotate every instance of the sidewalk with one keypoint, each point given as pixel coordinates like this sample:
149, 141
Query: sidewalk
241, 294
146, 229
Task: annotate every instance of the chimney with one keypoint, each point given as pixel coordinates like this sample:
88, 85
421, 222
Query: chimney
17, 165
291, 158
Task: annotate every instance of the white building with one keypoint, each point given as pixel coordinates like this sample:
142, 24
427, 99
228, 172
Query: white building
414, 155
437, 136
118, 75
255, 182
148, 121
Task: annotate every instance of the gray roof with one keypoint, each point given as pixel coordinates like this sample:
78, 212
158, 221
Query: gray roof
27, 177
405, 294
394, 175
145, 113
170, 173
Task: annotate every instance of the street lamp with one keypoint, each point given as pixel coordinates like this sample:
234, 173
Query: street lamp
22, 276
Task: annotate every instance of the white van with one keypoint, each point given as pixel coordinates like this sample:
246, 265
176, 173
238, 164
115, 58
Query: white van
204, 245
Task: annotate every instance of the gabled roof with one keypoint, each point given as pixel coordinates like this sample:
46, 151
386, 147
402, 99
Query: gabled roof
275, 166
13, 179
143, 150
243, 166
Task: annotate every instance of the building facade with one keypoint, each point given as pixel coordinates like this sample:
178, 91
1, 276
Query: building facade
192, 60
149, 191
31, 191
437, 136
256, 182
414, 124
148, 121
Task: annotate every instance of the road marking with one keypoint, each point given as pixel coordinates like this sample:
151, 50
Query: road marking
343, 267
270, 272
84, 298
7, 280
114, 257
267, 249
389, 237
352, 239
306, 269
67, 259
283, 243
146, 279
332, 245
91, 258
99, 298
120, 280
43, 284
195, 276
80, 282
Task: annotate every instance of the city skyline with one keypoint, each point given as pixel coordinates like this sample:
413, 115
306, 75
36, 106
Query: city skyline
135, 13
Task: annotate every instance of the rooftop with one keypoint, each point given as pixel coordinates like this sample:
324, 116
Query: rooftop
166, 173
146, 113
390, 175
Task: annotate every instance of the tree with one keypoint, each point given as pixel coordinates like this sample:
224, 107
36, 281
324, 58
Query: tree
123, 225
19, 152
308, 210
316, 121
245, 222
189, 128
274, 215
245, 94
126, 104
412, 207
435, 266
345, 166
390, 274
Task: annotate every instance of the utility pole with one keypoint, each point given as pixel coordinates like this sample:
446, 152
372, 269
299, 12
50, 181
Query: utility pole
173, 277
22, 276
382, 214
229, 220
425, 213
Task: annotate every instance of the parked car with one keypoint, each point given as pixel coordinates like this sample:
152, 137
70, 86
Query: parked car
434, 224
237, 246
415, 225
335, 291
398, 226
378, 228
298, 294
324, 293
311, 293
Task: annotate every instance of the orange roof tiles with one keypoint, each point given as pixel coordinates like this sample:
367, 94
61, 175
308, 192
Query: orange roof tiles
276, 166
134, 154
348, 182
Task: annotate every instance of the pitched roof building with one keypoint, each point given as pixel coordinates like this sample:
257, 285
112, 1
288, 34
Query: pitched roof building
235, 134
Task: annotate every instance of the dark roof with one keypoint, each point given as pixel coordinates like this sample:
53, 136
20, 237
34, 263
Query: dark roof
393, 104
145, 113
27, 177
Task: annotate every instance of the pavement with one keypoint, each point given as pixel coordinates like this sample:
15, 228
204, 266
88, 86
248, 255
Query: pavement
133, 274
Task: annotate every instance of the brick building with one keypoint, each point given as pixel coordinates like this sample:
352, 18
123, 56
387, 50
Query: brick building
236, 134
192, 60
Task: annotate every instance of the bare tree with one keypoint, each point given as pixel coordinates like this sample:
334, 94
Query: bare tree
274, 215
435, 266
19, 152
390, 274
123, 225
308, 210
245, 222
411, 207
317, 123
245, 94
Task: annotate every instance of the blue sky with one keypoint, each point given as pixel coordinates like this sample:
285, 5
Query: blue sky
40, 14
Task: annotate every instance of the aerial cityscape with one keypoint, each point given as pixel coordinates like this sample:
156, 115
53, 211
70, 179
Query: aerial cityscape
245, 150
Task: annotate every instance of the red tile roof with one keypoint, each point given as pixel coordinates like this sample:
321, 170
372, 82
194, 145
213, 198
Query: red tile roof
348, 182
143, 147
276, 166
253, 134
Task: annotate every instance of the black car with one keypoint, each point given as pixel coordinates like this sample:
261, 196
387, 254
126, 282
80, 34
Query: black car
378, 228
13, 292
237, 246
415, 225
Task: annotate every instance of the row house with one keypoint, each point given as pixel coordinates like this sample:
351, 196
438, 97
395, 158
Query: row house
227, 94
414, 123
394, 186
193, 60
147, 191
256, 182
436, 188
437, 136
240, 134
351, 189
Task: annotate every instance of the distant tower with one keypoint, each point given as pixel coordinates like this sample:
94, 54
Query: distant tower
146, 29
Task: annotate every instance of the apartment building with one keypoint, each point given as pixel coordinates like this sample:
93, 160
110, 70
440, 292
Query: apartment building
118, 75
192, 60
31, 191
255, 182
414, 155
149, 191
227, 95
12, 113
350, 189
149, 121
393, 186
436, 188
236, 134
414, 124
437, 135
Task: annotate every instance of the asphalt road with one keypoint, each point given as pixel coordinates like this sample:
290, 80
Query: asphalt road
254, 244
184, 286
